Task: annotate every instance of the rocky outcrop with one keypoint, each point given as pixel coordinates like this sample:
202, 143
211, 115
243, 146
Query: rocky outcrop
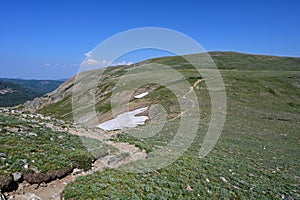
7, 184
47, 177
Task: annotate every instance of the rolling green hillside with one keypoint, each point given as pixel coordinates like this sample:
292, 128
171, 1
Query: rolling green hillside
256, 157
59, 104
234, 60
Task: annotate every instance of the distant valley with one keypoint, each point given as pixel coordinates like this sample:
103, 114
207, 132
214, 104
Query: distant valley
17, 91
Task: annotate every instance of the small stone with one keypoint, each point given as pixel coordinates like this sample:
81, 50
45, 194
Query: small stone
3, 155
34, 169
17, 176
43, 184
189, 188
76, 171
32, 134
208, 191
223, 179
237, 187
26, 184
2, 197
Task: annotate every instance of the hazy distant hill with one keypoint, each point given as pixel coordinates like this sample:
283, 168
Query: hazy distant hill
18, 91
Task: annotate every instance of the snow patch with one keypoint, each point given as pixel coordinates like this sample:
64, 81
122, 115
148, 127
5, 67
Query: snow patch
141, 95
125, 120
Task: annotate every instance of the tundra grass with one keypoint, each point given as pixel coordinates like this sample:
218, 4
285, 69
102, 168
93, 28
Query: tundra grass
41, 149
256, 157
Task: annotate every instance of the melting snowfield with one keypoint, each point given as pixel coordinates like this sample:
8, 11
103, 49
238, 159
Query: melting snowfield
125, 120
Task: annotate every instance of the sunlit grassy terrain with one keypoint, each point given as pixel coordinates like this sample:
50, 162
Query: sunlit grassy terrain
257, 155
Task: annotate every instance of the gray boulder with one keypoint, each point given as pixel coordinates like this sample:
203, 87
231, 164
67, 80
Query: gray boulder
17, 176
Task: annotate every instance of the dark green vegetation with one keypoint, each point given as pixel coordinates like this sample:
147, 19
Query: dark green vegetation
257, 155
17, 91
13, 94
38, 152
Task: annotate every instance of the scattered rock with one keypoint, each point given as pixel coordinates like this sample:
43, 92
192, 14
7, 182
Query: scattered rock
43, 184
32, 134
189, 188
237, 187
7, 184
2, 197
17, 176
223, 179
76, 171
3, 155
208, 191
46, 177
27, 196
34, 169
287, 197
252, 175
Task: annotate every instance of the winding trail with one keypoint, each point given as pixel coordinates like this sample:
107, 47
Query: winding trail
185, 95
53, 189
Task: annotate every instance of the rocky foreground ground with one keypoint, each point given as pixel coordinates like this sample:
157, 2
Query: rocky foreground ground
40, 185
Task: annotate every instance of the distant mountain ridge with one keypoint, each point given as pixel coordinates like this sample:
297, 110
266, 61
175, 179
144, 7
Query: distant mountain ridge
233, 60
17, 91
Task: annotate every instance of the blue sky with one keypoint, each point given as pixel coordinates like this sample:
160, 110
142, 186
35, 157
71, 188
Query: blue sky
48, 38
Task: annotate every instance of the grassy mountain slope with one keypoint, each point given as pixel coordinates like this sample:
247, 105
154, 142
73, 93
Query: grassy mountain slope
256, 156
18, 91
234, 60
59, 103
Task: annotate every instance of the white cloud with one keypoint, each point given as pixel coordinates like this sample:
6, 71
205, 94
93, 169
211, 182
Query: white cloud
88, 54
61, 65
101, 63
93, 62
122, 63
